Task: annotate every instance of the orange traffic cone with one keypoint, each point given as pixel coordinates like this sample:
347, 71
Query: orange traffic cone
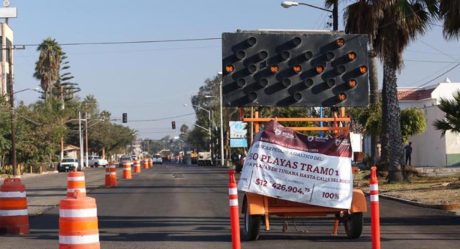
111, 175
150, 163
127, 171
78, 225
75, 181
145, 164
14, 217
137, 166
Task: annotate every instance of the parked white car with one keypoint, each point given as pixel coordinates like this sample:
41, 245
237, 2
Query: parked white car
156, 159
68, 164
96, 161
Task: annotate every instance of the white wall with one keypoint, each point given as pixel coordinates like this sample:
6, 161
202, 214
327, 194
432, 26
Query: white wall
429, 148
445, 91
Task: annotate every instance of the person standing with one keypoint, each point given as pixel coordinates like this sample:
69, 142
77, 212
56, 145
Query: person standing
408, 153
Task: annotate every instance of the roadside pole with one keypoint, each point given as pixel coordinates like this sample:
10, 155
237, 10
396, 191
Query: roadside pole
375, 209
234, 215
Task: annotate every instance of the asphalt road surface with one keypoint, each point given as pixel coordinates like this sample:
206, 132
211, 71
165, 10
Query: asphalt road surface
175, 206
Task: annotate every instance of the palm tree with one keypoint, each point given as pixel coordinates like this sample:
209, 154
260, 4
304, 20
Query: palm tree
402, 21
449, 10
391, 25
48, 65
451, 120
363, 17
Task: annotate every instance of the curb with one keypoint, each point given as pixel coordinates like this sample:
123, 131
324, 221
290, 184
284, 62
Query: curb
451, 208
29, 175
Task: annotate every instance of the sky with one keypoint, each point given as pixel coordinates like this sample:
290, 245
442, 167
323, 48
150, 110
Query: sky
155, 81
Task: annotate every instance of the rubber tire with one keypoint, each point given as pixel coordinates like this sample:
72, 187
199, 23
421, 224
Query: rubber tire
96, 165
353, 224
251, 226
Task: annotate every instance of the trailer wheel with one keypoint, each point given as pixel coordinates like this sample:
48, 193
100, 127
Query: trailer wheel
353, 225
251, 229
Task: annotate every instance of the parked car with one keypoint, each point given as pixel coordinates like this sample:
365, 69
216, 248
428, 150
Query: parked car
96, 161
123, 160
156, 159
68, 164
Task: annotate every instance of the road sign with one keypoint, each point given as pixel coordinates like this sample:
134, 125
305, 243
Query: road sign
238, 129
238, 133
294, 68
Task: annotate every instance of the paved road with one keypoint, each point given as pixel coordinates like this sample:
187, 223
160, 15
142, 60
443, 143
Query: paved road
172, 207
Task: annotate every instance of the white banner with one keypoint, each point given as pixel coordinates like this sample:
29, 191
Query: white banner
288, 165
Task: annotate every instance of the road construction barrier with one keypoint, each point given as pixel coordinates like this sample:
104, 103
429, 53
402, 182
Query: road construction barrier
127, 171
150, 163
78, 225
145, 164
137, 166
375, 209
111, 175
75, 181
234, 215
14, 217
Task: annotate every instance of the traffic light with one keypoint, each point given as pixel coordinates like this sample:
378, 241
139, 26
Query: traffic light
294, 68
125, 117
173, 125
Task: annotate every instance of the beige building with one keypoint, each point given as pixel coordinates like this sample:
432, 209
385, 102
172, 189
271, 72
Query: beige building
430, 148
6, 39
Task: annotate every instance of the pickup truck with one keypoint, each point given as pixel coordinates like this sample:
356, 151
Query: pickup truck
68, 164
96, 161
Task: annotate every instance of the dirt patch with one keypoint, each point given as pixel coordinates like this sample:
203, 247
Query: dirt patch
441, 192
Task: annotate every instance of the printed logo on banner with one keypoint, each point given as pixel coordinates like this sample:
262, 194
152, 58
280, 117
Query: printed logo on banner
286, 168
238, 129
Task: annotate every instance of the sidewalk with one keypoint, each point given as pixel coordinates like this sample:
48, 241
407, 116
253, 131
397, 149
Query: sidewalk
45, 191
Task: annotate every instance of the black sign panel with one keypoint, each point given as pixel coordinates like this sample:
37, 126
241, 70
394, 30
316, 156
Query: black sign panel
274, 68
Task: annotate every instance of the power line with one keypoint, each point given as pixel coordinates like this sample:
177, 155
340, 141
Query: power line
160, 119
431, 61
128, 42
440, 75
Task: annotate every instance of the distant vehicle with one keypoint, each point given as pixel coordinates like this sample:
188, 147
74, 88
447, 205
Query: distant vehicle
96, 161
204, 158
156, 159
68, 164
124, 159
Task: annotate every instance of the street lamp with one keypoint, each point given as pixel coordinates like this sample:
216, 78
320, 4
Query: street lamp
210, 122
35, 89
334, 11
209, 117
221, 121
335, 23
13, 122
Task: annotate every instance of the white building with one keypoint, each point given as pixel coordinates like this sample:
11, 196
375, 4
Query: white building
430, 148
6, 41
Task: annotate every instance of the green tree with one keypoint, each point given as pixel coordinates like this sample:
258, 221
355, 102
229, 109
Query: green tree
412, 123
64, 88
451, 120
5, 131
48, 65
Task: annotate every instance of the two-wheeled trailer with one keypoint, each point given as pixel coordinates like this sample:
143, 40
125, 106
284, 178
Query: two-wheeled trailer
257, 208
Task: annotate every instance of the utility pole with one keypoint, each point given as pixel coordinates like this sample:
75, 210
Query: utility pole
80, 140
13, 114
86, 138
221, 125
335, 16
62, 108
